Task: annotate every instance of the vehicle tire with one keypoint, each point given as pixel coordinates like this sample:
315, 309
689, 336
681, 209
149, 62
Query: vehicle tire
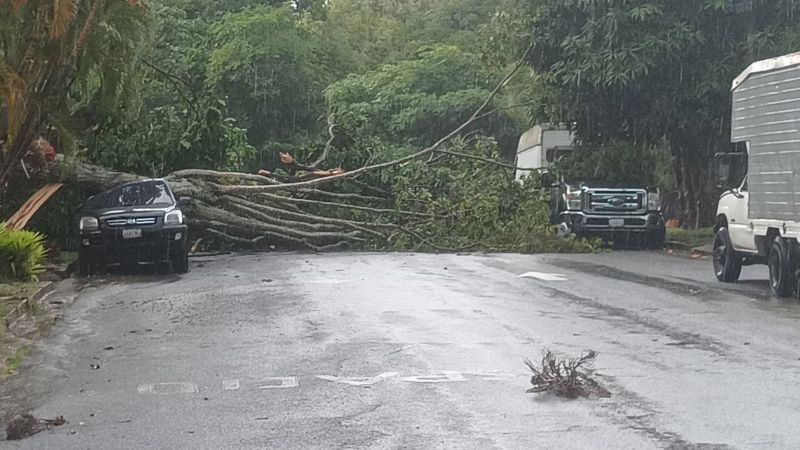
180, 262
657, 239
84, 265
781, 273
727, 263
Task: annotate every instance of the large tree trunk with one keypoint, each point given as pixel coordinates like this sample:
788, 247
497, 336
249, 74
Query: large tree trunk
696, 200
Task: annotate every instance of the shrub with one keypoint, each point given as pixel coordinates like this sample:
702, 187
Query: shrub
21, 254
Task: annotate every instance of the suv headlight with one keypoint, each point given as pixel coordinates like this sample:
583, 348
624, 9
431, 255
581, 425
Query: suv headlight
574, 200
174, 218
89, 224
654, 201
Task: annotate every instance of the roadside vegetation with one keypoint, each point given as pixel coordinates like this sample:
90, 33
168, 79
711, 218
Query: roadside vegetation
12, 363
21, 255
357, 124
690, 239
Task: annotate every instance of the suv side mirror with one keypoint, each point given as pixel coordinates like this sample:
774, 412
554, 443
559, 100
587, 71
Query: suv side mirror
184, 202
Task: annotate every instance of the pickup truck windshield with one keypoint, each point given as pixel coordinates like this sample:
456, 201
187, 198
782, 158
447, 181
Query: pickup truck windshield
146, 193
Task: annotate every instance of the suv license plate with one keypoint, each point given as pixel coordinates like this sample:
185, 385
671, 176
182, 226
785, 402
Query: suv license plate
132, 233
616, 223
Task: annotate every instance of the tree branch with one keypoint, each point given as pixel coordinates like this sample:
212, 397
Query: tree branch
419, 154
328, 145
281, 198
487, 160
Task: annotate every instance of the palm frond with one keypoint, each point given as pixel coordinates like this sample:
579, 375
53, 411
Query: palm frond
12, 90
64, 13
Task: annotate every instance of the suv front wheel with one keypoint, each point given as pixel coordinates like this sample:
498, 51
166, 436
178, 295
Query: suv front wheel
180, 262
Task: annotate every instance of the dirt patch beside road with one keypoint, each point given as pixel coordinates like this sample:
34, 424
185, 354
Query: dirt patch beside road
28, 312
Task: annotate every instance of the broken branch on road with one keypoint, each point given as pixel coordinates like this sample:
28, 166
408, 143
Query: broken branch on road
565, 377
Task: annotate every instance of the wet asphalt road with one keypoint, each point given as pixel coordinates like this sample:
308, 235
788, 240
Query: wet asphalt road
417, 351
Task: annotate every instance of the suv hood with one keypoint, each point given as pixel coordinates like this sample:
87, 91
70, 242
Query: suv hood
128, 210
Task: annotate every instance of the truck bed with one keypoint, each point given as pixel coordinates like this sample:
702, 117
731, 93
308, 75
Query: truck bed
766, 114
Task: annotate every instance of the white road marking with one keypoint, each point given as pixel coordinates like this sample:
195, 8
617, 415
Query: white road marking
278, 383
230, 385
334, 282
544, 276
168, 388
445, 376
494, 376
358, 381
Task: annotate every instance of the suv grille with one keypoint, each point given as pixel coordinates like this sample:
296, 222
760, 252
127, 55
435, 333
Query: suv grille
132, 221
616, 202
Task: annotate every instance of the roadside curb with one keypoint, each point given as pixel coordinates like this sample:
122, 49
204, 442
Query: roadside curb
19, 311
680, 246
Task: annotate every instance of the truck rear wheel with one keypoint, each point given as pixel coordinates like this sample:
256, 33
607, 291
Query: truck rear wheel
727, 263
781, 273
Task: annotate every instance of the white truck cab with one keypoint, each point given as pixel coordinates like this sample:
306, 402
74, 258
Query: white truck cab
758, 222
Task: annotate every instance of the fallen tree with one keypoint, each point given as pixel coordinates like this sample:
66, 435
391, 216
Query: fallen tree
453, 195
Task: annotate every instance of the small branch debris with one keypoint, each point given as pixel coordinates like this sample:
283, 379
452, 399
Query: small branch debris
25, 426
566, 378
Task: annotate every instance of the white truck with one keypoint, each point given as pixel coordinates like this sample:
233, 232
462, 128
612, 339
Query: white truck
758, 222
619, 214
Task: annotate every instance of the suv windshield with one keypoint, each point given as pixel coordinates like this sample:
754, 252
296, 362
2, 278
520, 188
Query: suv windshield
145, 193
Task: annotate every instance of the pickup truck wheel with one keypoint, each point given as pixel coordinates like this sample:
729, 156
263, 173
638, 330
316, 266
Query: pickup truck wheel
727, 263
781, 274
657, 239
180, 263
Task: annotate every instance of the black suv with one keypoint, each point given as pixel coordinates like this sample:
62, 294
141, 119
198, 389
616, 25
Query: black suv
135, 223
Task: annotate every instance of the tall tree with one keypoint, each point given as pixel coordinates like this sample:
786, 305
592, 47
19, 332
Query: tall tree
652, 72
46, 48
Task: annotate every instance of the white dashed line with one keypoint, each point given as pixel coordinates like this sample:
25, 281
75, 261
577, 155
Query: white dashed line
278, 383
168, 388
230, 385
358, 381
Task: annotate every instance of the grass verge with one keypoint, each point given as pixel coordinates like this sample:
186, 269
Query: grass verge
13, 362
690, 238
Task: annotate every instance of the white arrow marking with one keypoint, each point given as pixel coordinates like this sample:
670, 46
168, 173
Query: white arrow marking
544, 276
358, 381
498, 376
438, 377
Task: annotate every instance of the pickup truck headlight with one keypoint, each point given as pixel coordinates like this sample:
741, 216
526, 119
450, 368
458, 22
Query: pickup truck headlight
654, 201
89, 224
173, 218
574, 200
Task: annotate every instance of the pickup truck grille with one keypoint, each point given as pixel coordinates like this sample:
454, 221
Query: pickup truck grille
617, 202
131, 221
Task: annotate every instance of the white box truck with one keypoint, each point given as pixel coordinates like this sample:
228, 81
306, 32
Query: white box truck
758, 222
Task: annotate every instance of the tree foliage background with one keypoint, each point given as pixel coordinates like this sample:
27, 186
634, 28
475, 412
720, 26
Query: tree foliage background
159, 86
